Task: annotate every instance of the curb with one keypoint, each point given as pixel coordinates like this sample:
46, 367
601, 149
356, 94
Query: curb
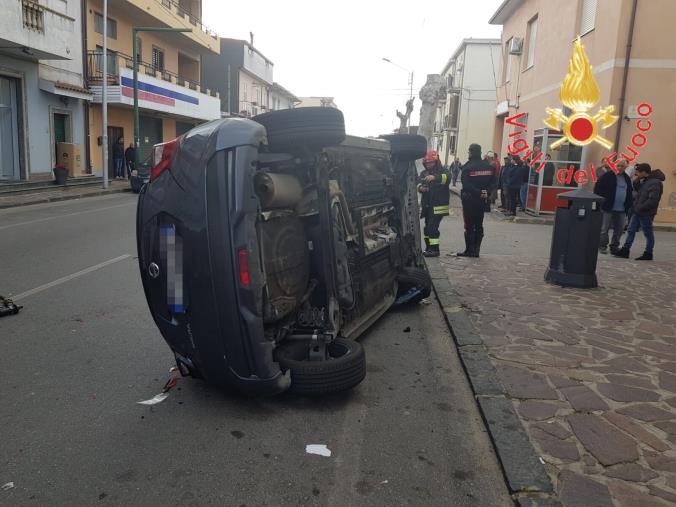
524, 473
66, 197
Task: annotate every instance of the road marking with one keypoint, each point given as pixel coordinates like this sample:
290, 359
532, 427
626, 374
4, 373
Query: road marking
69, 277
38, 220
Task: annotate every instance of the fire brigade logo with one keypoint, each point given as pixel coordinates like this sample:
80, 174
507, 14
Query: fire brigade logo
580, 93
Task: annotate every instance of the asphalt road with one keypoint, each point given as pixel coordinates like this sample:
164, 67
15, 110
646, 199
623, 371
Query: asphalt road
84, 350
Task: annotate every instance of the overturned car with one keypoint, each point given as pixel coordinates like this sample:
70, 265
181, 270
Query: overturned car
268, 245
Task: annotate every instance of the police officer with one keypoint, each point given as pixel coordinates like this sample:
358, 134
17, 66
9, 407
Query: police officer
434, 182
478, 181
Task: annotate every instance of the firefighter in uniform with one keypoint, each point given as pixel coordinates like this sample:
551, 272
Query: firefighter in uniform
478, 181
433, 185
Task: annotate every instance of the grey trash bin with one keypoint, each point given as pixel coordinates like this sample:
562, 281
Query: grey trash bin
575, 240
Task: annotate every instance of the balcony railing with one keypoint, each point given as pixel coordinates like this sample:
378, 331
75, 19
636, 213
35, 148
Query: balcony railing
33, 16
117, 60
174, 6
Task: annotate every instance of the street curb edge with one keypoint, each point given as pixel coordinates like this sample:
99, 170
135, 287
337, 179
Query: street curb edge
523, 471
66, 198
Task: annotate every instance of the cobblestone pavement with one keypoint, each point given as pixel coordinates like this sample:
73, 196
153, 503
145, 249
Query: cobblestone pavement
591, 373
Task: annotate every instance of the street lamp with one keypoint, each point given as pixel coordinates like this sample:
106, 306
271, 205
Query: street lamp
137, 122
410, 74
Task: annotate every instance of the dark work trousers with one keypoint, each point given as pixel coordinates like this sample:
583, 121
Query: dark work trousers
431, 231
473, 215
513, 199
504, 197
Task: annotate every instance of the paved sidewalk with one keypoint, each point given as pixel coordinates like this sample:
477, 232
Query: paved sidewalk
62, 194
591, 373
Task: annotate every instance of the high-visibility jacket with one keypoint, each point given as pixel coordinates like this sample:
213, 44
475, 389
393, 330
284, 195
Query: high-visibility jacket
437, 198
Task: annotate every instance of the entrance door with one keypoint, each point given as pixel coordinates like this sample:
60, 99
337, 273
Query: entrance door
10, 168
150, 134
114, 133
61, 123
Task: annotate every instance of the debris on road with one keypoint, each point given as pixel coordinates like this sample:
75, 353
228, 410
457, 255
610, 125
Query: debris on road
7, 486
7, 307
319, 449
159, 398
425, 301
407, 329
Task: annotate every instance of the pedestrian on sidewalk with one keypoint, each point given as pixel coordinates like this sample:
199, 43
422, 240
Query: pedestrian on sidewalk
514, 181
502, 184
649, 187
434, 183
130, 159
616, 189
524, 172
456, 166
118, 157
478, 181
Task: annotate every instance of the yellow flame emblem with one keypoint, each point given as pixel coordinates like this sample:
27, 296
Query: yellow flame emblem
580, 92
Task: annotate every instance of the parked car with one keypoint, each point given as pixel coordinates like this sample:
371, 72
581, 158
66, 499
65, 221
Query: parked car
140, 176
268, 245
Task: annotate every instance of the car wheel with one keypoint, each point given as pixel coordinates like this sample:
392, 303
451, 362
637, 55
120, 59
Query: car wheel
415, 278
312, 127
407, 147
344, 369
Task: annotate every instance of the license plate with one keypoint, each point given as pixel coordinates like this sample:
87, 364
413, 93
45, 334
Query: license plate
171, 246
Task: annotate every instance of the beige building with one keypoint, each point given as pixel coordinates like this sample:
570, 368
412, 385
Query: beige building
537, 42
466, 113
171, 98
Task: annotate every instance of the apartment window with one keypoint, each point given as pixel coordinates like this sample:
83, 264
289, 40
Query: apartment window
508, 61
98, 26
158, 59
532, 37
587, 16
112, 61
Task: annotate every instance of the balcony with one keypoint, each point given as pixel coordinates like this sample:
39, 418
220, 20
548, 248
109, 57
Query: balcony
176, 14
34, 31
159, 89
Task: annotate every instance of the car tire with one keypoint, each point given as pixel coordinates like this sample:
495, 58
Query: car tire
311, 127
413, 277
407, 147
345, 369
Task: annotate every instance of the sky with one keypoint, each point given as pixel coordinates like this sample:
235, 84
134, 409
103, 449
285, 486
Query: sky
335, 48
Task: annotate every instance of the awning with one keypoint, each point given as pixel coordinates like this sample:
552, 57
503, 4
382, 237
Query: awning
66, 89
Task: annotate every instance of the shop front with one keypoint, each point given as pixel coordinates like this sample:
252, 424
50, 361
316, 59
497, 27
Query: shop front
553, 179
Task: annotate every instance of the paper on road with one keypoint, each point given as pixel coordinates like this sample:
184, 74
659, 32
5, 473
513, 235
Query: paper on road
319, 449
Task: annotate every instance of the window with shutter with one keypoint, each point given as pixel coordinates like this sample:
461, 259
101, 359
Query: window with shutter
158, 59
587, 16
508, 62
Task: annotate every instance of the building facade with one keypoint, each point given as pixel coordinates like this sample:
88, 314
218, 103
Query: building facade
537, 42
243, 77
317, 102
466, 112
171, 97
42, 91
281, 98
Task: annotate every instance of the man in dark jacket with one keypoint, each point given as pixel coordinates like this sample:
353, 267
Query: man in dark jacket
478, 181
514, 182
434, 182
130, 159
616, 190
455, 170
502, 183
649, 189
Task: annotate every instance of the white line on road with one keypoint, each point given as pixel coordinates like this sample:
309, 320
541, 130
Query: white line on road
38, 220
69, 277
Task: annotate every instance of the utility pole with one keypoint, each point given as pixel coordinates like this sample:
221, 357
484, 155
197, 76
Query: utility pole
104, 98
137, 120
410, 84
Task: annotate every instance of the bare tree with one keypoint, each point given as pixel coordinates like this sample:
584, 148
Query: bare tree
404, 118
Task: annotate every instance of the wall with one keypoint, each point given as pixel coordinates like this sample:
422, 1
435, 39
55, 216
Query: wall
652, 74
477, 105
37, 157
257, 64
252, 90
66, 71
117, 117
214, 73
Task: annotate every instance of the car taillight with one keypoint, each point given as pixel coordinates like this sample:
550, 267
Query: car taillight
162, 155
244, 277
